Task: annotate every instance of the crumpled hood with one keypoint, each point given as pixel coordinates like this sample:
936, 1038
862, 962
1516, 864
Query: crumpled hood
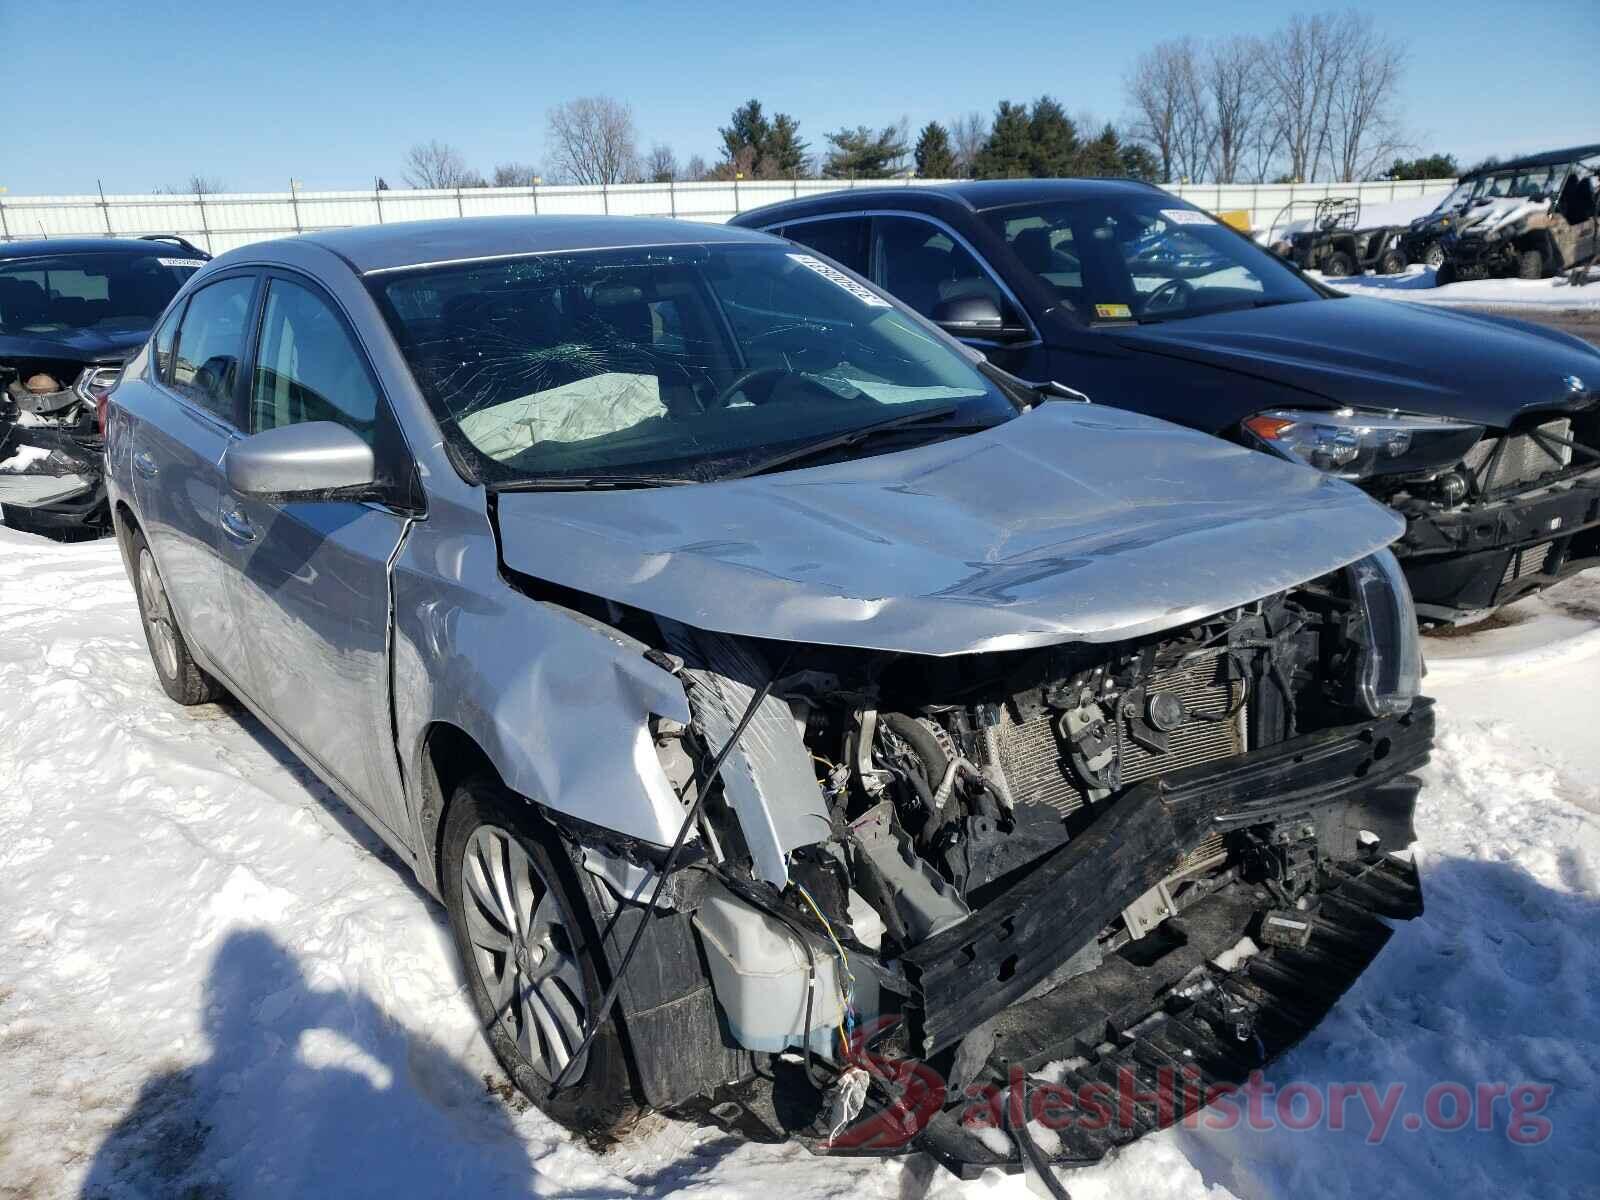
82, 345
1070, 523
1488, 215
1386, 354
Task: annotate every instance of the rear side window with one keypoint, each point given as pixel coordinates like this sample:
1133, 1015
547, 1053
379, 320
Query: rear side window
925, 267
843, 239
211, 343
307, 366
165, 337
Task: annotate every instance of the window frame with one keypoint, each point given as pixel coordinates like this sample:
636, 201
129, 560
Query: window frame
872, 215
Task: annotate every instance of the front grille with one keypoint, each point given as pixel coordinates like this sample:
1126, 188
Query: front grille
1526, 562
1034, 760
1524, 460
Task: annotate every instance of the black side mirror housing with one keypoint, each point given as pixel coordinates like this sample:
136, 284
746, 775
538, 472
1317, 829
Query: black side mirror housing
977, 317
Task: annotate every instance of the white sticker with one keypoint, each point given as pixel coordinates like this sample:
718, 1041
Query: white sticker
182, 262
1185, 216
839, 277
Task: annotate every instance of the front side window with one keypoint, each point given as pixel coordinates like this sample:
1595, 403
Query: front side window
211, 341
692, 362
926, 268
166, 336
843, 239
101, 291
1126, 258
307, 367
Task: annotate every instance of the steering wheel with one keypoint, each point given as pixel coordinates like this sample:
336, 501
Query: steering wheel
743, 380
1172, 294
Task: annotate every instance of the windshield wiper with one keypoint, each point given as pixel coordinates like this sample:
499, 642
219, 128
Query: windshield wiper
581, 483
849, 437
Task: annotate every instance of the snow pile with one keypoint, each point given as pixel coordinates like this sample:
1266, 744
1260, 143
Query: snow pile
1416, 283
214, 981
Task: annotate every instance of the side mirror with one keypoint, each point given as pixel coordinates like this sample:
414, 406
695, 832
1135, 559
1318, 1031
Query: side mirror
305, 461
976, 317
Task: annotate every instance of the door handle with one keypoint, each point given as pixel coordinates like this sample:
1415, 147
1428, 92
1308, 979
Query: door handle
145, 464
237, 526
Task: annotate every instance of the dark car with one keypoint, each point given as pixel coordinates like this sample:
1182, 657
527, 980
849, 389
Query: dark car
71, 312
1483, 431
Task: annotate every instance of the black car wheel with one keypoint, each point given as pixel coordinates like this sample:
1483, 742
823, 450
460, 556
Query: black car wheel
529, 946
181, 677
1339, 264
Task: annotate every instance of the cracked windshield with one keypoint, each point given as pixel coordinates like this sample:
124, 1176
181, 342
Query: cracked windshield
674, 365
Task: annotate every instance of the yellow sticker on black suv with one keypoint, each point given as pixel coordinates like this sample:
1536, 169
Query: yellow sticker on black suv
1112, 312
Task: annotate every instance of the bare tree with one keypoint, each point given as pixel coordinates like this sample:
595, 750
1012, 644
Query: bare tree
968, 133
434, 164
1235, 102
592, 140
1302, 66
1169, 110
695, 169
1363, 129
515, 174
196, 185
661, 164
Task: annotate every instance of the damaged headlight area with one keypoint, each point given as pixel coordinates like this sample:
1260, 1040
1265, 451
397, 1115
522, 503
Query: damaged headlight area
959, 863
51, 440
1356, 444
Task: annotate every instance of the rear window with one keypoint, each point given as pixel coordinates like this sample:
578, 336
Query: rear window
102, 291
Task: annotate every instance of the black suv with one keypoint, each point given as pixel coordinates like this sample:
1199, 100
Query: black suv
1483, 431
71, 312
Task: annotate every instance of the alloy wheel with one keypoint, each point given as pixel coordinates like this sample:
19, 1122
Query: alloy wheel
523, 950
157, 615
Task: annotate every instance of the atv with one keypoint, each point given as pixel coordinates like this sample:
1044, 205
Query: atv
1532, 225
1336, 246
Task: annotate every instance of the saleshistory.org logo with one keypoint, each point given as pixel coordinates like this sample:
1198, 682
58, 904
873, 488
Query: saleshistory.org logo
1182, 1097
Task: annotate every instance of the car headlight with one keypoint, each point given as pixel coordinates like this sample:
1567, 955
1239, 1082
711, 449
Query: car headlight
1389, 676
95, 382
1356, 444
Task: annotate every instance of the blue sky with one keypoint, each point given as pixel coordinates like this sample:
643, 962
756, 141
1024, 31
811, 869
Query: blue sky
139, 95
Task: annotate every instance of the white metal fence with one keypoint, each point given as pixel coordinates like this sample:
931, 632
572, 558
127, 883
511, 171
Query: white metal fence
225, 220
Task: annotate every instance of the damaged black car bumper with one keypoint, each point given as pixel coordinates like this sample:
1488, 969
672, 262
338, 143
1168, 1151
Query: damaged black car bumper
51, 479
1480, 556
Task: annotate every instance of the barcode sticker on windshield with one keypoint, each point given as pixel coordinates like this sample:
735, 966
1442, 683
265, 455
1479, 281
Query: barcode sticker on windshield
1185, 216
841, 279
182, 262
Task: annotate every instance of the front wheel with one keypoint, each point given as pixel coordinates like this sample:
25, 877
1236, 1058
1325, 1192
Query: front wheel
1339, 265
1530, 265
1433, 256
1391, 262
530, 949
181, 677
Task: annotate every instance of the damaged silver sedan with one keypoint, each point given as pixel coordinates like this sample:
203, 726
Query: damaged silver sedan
808, 727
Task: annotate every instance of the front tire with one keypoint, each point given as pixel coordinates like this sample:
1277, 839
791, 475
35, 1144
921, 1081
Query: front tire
1530, 265
530, 949
1391, 262
1433, 256
1339, 265
181, 677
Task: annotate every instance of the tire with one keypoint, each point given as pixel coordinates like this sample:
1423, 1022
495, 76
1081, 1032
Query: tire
1446, 274
1530, 265
1391, 262
181, 677
1339, 264
1433, 256
549, 961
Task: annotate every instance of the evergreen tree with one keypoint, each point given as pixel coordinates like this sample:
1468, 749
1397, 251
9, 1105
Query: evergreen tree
784, 152
935, 160
1435, 166
860, 153
1008, 152
749, 128
1139, 163
1053, 150
1102, 155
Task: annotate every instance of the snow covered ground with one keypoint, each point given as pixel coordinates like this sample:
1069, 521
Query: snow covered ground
215, 983
1415, 283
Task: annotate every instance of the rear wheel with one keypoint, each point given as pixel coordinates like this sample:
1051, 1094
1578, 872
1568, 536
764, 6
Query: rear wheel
530, 949
1339, 264
181, 677
1391, 262
1530, 265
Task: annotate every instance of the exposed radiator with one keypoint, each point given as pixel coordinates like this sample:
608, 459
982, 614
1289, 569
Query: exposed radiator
1034, 760
1524, 459
1523, 563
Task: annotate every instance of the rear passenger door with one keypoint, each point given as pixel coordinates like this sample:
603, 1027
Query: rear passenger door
176, 458
309, 579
